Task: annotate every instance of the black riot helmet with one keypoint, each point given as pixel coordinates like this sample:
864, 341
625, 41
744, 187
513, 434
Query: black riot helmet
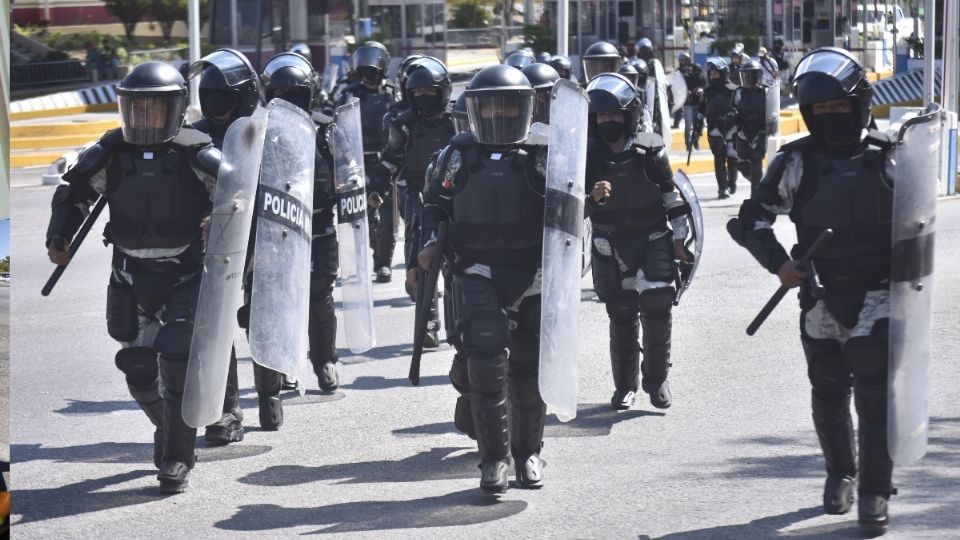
611, 92
750, 73
601, 57
428, 88
684, 58
406, 66
152, 99
370, 61
290, 77
499, 102
303, 50
563, 65
642, 71
461, 123
542, 77
715, 63
520, 59
228, 83
630, 72
645, 49
544, 57
829, 74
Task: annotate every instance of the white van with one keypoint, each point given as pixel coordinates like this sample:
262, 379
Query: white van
880, 18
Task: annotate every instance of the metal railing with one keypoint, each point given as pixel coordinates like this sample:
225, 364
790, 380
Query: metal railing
469, 38
47, 73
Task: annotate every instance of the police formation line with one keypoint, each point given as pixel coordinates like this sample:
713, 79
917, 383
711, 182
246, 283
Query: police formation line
340, 162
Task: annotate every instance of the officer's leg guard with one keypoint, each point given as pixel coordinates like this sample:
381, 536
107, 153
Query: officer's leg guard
732, 174
268, 384
655, 317
867, 359
460, 378
483, 328
719, 151
230, 427
386, 241
831, 381
623, 310
527, 409
323, 332
139, 365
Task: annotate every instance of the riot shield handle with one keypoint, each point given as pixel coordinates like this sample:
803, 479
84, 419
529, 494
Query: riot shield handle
426, 288
75, 245
804, 262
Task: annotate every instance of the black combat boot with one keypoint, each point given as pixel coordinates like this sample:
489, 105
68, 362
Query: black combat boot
267, 383
139, 365
876, 468
179, 439
323, 334
527, 412
328, 378
488, 401
230, 426
831, 418
656, 320
625, 363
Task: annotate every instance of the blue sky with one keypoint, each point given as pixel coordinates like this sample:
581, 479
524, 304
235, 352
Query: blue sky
4, 238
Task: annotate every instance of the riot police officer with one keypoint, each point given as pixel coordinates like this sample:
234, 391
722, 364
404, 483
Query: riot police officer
630, 72
414, 136
520, 59
157, 179
694, 78
542, 77
632, 203
716, 106
750, 109
229, 89
497, 250
564, 67
834, 178
656, 114
601, 57
736, 63
290, 77
376, 95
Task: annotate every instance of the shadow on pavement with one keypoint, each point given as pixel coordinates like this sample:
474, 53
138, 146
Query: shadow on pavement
593, 420
290, 398
468, 507
82, 497
382, 383
113, 452
766, 527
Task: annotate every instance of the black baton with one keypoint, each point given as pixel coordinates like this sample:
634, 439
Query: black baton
803, 263
77, 240
424, 302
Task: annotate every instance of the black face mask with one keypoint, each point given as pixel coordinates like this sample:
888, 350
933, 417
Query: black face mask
217, 102
428, 104
611, 131
837, 129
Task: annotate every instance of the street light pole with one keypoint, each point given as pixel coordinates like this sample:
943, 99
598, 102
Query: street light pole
193, 20
563, 38
929, 51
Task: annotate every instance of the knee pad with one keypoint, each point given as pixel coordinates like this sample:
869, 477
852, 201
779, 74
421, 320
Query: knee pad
122, 321
459, 376
866, 357
624, 307
139, 364
485, 330
656, 302
488, 374
658, 264
173, 341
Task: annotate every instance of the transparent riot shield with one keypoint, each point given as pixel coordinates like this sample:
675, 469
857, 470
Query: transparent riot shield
346, 145
694, 242
221, 285
563, 249
773, 120
678, 87
657, 98
913, 168
279, 298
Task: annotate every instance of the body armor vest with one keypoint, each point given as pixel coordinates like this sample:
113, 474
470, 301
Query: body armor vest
636, 202
426, 137
373, 105
157, 202
851, 196
497, 215
751, 109
718, 102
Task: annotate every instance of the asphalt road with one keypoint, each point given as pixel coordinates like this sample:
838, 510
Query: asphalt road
735, 457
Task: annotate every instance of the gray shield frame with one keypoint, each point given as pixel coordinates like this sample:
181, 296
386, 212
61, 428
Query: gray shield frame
563, 249
221, 290
694, 242
773, 120
914, 167
346, 144
279, 299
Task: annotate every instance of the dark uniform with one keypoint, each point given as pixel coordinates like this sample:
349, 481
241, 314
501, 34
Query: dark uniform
491, 192
750, 107
717, 106
696, 81
835, 178
633, 245
229, 89
158, 180
564, 67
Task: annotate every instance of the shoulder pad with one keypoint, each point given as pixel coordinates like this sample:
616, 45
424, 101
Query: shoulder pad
800, 145
462, 140
884, 141
208, 160
112, 138
204, 125
189, 137
91, 160
648, 141
406, 117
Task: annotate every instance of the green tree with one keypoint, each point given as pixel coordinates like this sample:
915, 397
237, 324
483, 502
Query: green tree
167, 13
5, 264
471, 14
129, 12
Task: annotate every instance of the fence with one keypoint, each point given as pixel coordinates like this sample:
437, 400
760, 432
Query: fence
47, 73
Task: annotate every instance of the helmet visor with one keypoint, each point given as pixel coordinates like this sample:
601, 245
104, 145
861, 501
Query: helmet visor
236, 69
616, 86
750, 78
499, 118
149, 119
837, 65
369, 56
287, 60
217, 103
597, 65
541, 104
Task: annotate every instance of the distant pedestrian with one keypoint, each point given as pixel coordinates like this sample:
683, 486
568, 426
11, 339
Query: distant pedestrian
93, 60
